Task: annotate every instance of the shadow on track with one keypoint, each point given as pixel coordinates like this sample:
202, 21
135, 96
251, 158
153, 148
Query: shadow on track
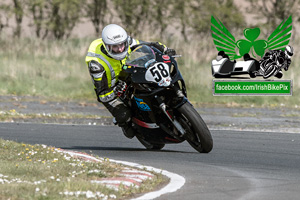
91, 148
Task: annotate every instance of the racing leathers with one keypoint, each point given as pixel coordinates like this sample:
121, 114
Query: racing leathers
104, 71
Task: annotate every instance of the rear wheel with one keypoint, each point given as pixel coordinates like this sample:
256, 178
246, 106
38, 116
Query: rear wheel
197, 133
149, 145
252, 74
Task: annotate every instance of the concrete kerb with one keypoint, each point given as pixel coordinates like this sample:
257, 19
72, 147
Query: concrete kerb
176, 181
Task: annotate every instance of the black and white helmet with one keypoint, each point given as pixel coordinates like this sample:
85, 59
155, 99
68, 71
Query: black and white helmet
113, 36
289, 51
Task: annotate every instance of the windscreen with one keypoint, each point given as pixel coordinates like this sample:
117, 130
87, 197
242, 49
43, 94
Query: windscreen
141, 56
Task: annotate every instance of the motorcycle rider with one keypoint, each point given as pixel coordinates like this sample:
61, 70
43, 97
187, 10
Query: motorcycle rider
105, 59
281, 59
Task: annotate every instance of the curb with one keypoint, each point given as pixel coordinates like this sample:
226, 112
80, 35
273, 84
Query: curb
134, 177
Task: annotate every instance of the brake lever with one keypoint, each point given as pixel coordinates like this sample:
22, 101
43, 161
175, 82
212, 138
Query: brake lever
176, 56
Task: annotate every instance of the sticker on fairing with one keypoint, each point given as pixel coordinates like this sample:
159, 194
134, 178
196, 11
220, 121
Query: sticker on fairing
141, 104
166, 57
159, 73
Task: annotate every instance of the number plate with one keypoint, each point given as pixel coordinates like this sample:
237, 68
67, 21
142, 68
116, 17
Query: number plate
159, 73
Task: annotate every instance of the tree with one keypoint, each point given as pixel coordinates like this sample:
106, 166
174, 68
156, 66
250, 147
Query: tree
56, 18
37, 10
194, 16
180, 11
225, 10
274, 11
96, 11
3, 16
159, 16
63, 16
19, 13
133, 13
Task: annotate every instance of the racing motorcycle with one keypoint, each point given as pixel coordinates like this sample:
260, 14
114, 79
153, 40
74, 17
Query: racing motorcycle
157, 96
274, 61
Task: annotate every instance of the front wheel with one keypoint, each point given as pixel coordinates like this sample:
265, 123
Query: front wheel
269, 71
197, 133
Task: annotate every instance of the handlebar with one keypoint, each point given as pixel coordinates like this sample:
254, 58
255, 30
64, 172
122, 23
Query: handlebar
176, 56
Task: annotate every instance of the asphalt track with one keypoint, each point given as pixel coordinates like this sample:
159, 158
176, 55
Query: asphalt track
242, 165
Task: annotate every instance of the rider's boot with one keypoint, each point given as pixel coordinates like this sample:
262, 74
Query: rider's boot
128, 131
126, 128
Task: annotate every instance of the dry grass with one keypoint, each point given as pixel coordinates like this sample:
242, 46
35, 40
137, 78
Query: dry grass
42, 172
53, 69
56, 70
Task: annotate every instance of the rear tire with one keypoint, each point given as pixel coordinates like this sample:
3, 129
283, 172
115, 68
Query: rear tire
252, 74
149, 145
197, 133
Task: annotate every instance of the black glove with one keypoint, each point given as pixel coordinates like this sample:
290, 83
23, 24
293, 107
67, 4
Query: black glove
170, 52
159, 46
120, 88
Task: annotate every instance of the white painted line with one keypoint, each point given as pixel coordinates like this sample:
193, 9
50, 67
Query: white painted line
176, 181
126, 183
137, 171
141, 177
73, 153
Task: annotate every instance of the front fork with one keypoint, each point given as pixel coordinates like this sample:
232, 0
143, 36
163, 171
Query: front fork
175, 123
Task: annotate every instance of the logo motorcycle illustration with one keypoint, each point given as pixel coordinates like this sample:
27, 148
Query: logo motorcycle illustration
264, 58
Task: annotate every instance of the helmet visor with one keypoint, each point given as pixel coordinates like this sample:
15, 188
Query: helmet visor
117, 48
118, 51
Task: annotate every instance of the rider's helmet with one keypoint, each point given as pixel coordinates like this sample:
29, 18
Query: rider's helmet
289, 51
115, 41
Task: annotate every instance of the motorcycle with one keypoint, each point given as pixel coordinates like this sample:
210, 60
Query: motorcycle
157, 96
273, 63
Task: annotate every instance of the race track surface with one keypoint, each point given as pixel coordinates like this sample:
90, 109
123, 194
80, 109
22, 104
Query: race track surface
242, 165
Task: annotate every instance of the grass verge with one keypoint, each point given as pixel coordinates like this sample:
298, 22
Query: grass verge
14, 116
42, 172
56, 70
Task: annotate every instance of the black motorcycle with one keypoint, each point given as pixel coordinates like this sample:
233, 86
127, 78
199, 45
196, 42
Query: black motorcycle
274, 61
156, 94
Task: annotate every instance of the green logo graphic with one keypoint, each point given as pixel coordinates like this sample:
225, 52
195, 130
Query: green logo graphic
226, 42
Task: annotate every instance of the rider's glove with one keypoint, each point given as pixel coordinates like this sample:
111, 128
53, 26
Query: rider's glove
163, 48
170, 52
120, 88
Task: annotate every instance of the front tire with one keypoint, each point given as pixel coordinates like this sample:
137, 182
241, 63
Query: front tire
269, 71
279, 74
197, 133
